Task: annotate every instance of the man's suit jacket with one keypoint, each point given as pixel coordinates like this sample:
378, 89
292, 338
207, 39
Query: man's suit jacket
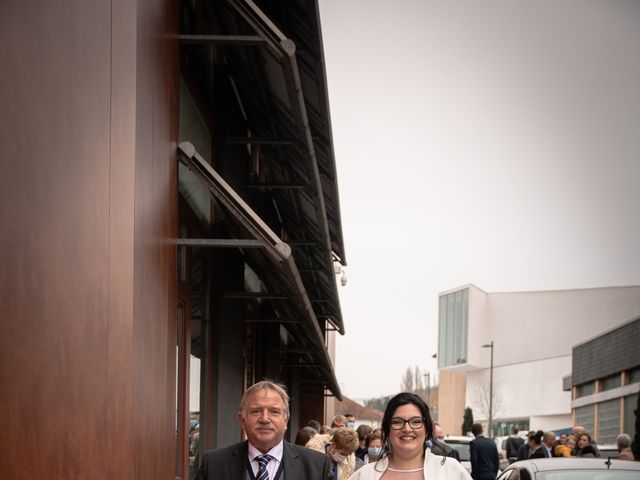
484, 458
230, 463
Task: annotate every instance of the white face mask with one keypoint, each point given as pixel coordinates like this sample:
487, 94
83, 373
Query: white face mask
339, 458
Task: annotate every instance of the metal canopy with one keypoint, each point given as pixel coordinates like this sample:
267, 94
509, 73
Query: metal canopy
273, 260
280, 87
296, 111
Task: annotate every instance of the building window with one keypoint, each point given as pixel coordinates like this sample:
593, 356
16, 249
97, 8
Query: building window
611, 382
608, 421
634, 375
454, 325
585, 389
585, 416
630, 404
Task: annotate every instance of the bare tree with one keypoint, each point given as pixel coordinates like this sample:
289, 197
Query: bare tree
482, 400
413, 380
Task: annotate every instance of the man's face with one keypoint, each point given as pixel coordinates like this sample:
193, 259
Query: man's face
550, 439
264, 419
577, 431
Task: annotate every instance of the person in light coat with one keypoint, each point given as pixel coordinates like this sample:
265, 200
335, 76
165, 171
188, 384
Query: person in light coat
406, 426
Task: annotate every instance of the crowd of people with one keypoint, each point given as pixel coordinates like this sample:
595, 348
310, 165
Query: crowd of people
540, 444
408, 445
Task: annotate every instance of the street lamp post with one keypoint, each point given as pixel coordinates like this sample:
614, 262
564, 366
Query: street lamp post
490, 345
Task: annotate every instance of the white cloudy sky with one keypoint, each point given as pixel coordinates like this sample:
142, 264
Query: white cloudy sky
494, 143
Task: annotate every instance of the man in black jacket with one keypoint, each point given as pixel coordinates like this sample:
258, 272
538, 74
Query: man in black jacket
513, 443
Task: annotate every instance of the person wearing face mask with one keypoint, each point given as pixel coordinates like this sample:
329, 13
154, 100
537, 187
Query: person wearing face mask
373, 445
363, 432
343, 461
351, 420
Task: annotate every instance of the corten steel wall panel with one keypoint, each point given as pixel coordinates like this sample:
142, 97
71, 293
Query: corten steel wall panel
155, 281
54, 240
119, 433
610, 353
71, 401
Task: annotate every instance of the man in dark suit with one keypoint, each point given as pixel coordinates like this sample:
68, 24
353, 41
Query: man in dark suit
263, 414
484, 455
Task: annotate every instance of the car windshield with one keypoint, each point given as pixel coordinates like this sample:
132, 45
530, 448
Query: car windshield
462, 448
589, 475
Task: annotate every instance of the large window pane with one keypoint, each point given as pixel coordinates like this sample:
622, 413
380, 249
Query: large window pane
585, 416
611, 382
453, 324
608, 421
630, 404
585, 389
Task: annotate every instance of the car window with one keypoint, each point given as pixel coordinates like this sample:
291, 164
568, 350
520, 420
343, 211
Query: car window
512, 474
462, 448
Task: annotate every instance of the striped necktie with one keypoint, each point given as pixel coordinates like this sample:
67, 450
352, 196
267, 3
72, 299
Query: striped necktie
263, 461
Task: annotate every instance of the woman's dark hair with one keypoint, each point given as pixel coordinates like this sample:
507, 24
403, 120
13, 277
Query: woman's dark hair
584, 435
399, 400
536, 437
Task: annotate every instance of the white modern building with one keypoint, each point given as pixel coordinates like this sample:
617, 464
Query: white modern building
533, 334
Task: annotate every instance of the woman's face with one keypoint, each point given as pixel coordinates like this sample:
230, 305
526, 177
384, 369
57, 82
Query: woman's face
583, 441
407, 442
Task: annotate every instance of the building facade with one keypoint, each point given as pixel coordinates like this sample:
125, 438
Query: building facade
605, 381
533, 334
170, 230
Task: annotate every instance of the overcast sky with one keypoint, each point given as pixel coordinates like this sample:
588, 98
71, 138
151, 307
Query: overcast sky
494, 143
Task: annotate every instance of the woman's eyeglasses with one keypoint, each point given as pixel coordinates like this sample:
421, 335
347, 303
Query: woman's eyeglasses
415, 423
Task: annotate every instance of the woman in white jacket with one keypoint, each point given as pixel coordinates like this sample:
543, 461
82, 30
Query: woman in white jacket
406, 426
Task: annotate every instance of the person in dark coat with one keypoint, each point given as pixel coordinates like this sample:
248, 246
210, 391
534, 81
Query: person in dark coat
263, 414
485, 461
536, 447
513, 444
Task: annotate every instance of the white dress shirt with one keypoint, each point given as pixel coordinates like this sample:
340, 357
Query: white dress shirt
273, 465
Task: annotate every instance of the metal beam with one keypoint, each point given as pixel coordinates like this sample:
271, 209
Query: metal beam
301, 365
258, 141
284, 186
256, 295
274, 320
238, 40
219, 243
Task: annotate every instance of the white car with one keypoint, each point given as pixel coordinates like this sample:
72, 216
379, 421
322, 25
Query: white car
572, 469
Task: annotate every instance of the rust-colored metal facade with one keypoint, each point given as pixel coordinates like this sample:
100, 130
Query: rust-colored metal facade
91, 294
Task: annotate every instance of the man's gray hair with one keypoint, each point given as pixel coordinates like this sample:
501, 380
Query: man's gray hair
266, 384
623, 440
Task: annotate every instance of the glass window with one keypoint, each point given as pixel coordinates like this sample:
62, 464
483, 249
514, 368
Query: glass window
585, 416
608, 421
453, 328
630, 404
611, 382
634, 375
585, 389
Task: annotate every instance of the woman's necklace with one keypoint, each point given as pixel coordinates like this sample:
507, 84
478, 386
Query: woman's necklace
401, 470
